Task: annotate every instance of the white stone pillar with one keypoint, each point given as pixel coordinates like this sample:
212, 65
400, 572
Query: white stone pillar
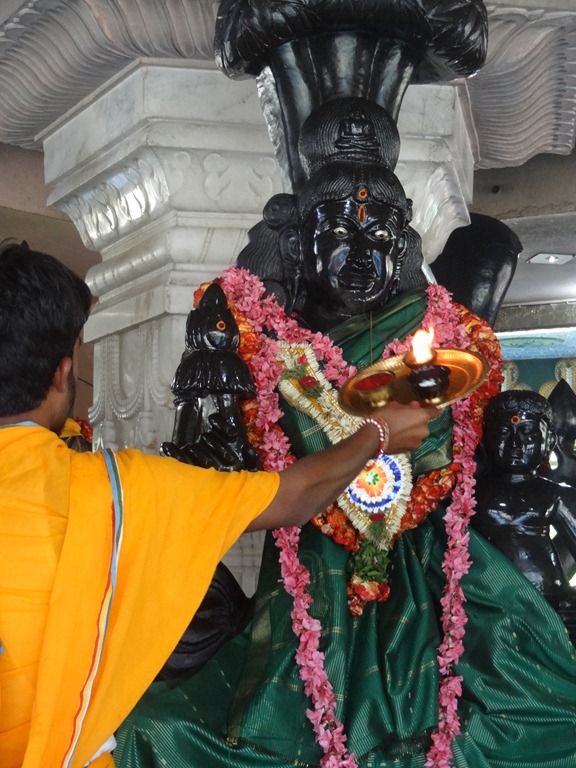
163, 169
437, 156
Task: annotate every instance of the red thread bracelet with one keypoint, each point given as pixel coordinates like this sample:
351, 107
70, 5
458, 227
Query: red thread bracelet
383, 433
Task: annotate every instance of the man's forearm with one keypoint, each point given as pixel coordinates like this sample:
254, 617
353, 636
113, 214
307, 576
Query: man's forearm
321, 477
312, 483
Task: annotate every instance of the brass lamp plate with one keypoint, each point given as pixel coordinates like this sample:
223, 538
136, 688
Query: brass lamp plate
374, 386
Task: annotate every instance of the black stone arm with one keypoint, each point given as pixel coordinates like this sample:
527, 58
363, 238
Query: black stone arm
222, 447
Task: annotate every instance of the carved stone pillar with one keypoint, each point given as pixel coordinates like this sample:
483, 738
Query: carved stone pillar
436, 162
162, 169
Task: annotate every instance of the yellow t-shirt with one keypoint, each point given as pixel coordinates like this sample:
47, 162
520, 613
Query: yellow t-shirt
104, 559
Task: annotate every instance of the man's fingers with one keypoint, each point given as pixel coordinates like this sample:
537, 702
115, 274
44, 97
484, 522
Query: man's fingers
407, 424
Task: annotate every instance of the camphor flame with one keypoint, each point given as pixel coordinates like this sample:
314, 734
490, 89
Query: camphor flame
422, 346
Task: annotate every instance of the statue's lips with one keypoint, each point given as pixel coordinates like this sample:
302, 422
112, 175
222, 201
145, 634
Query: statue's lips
355, 282
514, 455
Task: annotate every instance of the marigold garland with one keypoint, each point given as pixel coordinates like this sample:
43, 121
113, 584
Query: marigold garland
454, 327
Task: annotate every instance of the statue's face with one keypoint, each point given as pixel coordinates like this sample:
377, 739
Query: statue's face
350, 254
517, 443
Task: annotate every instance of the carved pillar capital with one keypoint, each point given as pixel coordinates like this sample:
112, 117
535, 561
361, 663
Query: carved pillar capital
167, 188
163, 169
524, 97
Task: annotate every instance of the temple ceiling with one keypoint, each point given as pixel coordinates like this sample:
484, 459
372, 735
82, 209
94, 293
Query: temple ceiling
55, 53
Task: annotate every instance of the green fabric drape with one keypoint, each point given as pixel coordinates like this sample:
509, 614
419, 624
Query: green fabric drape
362, 340
247, 708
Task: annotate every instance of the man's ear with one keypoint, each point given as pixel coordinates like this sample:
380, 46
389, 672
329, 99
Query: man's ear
61, 374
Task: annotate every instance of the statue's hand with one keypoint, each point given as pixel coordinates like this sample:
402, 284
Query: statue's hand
223, 447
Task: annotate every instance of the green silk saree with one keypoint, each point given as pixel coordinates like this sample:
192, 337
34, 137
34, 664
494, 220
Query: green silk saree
246, 707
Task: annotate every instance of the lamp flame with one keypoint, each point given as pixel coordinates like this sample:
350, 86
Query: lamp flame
422, 346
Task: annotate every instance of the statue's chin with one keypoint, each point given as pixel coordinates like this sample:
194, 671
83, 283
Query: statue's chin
322, 318
358, 302
324, 309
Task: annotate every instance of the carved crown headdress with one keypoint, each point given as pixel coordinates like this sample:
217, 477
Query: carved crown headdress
346, 145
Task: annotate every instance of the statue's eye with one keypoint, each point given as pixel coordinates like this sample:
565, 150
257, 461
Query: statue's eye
382, 234
221, 325
340, 232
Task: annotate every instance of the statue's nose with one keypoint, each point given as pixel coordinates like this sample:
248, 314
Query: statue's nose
217, 339
515, 441
360, 251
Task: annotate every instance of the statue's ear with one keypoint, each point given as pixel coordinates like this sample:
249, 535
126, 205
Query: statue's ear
290, 246
402, 243
409, 211
292, 255
280, 211
551, 440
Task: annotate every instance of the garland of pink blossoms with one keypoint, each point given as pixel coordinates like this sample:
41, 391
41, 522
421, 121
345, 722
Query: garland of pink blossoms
246, 292
443, 316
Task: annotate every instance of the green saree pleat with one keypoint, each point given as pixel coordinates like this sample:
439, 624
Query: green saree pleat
247, 707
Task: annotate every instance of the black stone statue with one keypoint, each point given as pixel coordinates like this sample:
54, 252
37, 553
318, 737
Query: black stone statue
563, 402
563, 470
341, 247
516, 506
478, 263
208, 386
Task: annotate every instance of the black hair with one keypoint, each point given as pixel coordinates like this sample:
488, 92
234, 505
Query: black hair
520, 400
43, 308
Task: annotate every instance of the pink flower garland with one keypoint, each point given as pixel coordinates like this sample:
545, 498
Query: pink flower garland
328, 730
449, 331
247, 291
456, 563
